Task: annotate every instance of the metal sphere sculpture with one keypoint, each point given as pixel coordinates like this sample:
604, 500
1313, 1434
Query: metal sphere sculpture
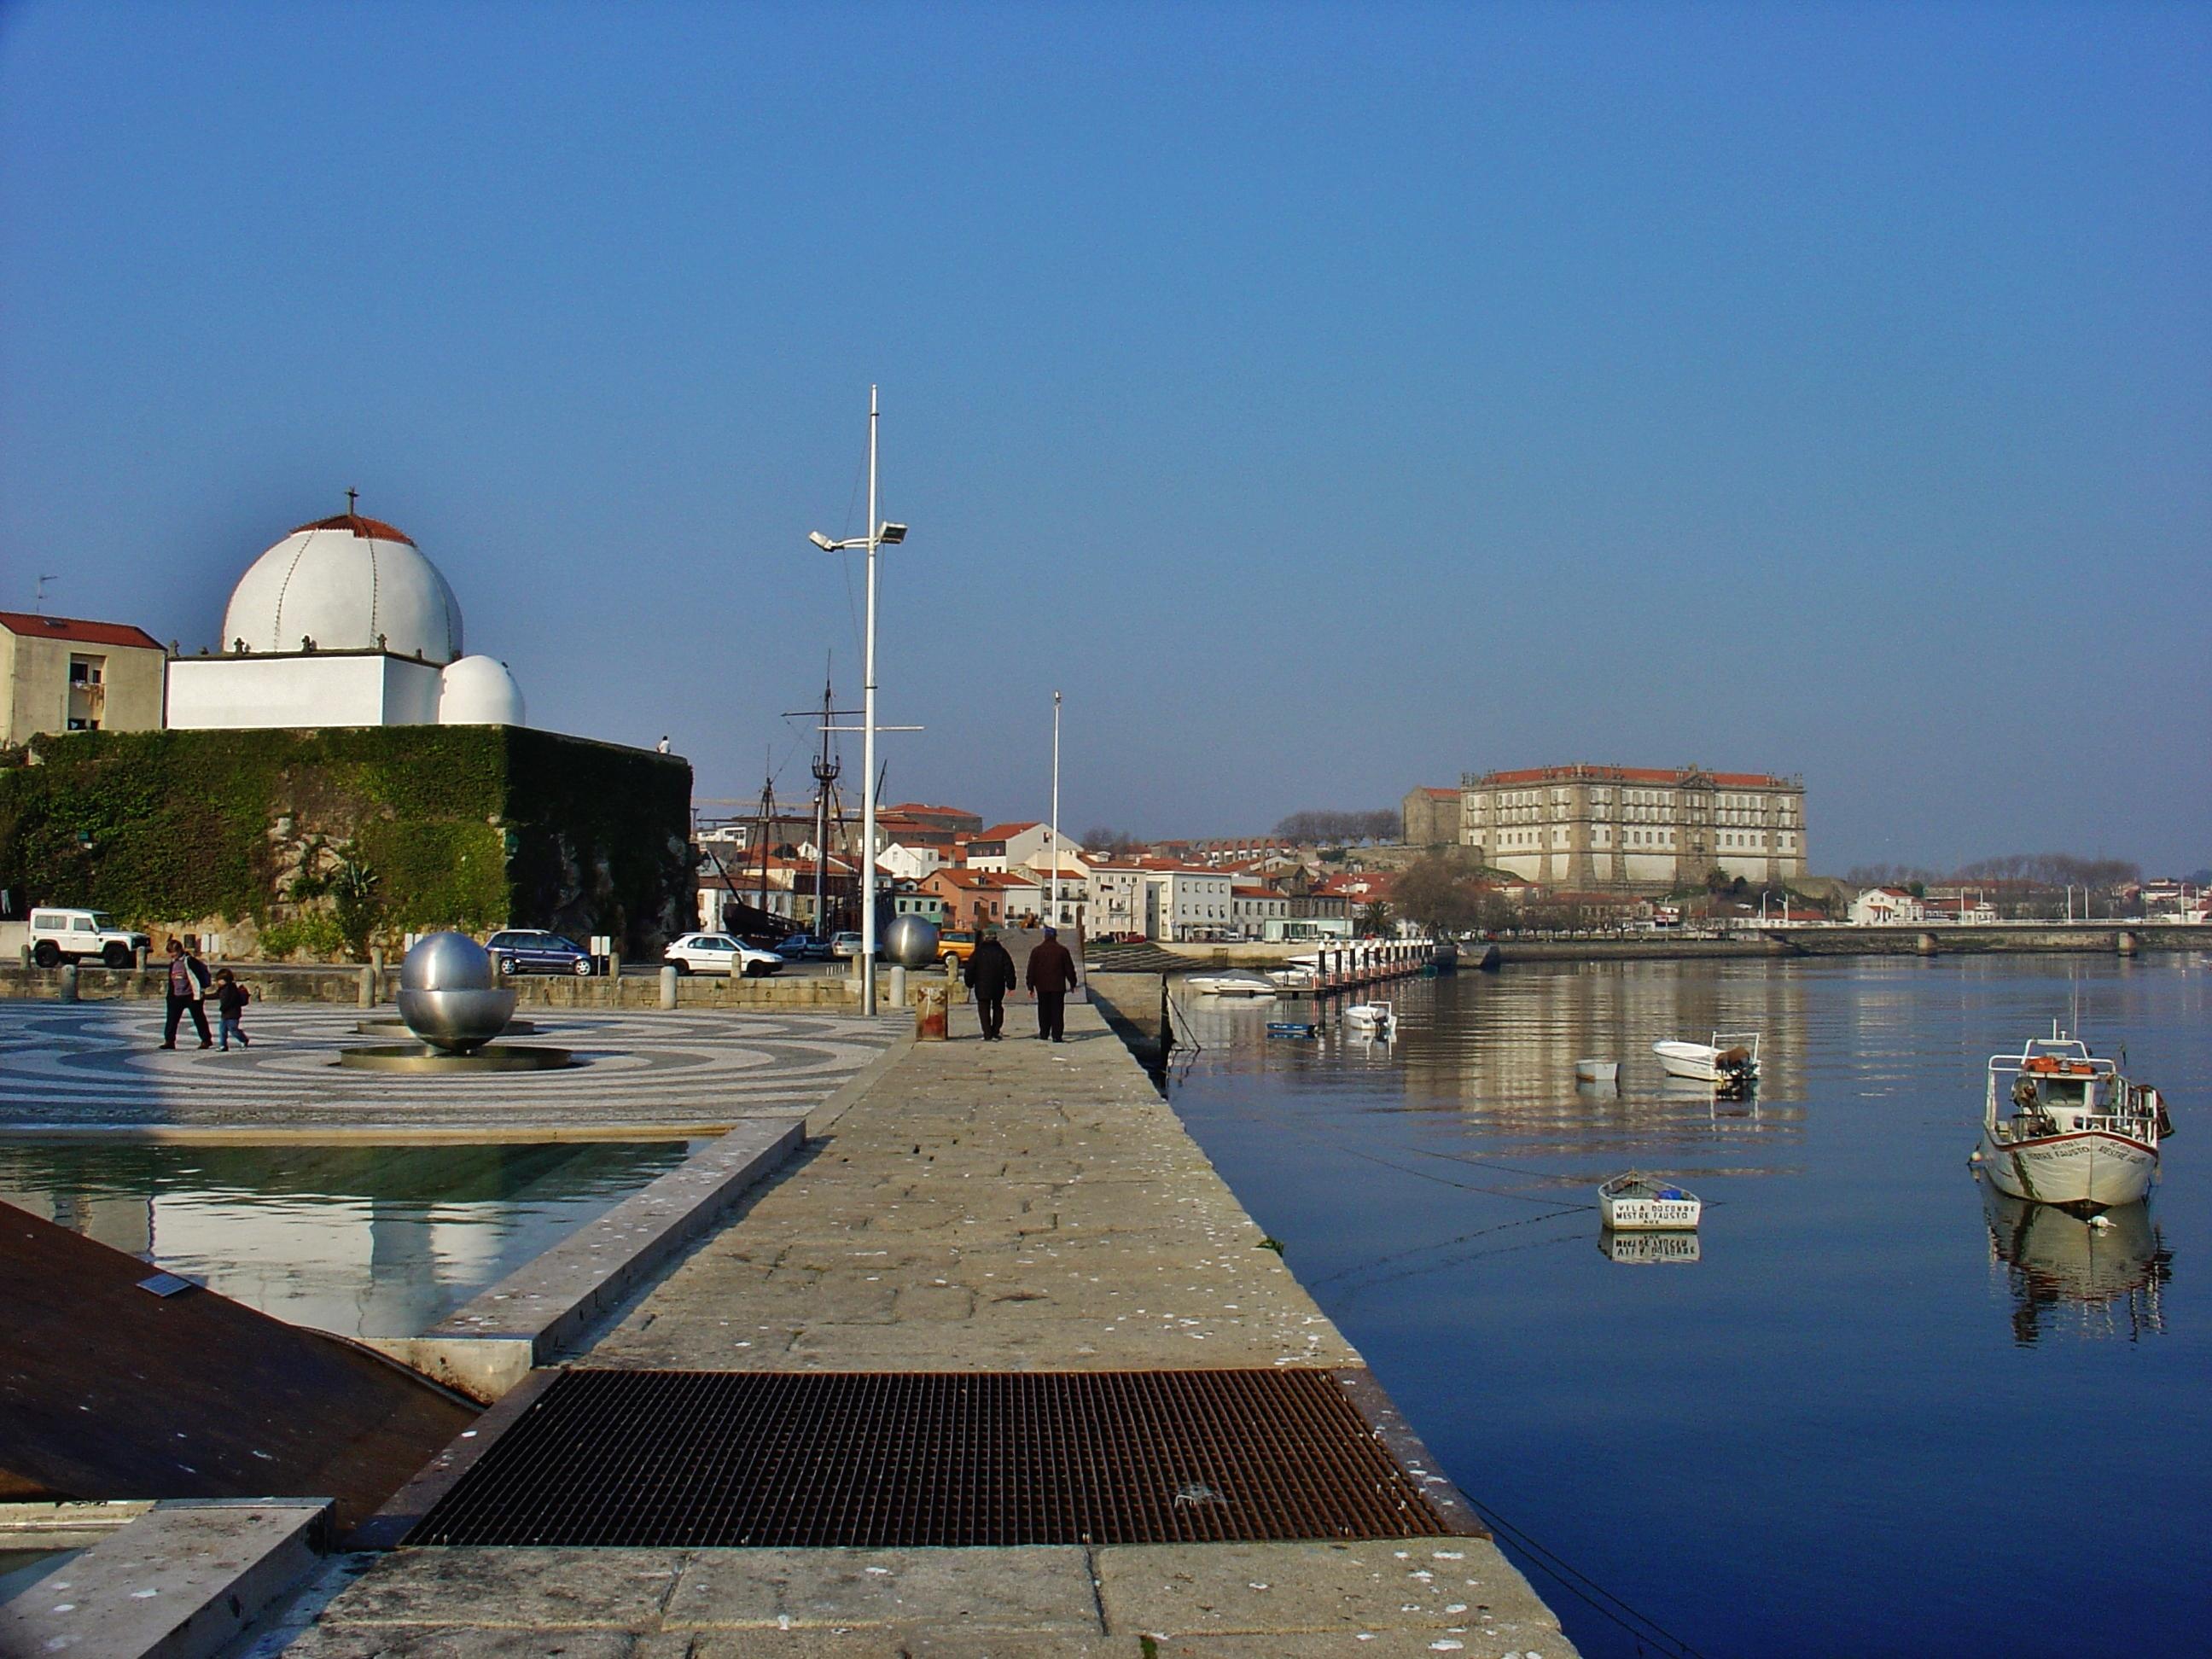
450, 996
910, 942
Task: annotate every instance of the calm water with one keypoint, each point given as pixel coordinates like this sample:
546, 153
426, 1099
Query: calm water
365, 1241
1876, 1415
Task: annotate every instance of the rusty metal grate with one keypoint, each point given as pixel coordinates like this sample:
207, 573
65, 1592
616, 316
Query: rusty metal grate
725, 1458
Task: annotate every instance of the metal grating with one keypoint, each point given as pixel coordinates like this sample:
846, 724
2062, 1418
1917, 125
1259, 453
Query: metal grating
725, 1458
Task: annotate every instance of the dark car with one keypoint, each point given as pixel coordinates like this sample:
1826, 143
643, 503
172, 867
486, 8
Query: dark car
534, 951
803, 947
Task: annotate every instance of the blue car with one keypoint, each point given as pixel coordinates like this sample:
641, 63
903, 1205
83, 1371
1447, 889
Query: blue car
534, 951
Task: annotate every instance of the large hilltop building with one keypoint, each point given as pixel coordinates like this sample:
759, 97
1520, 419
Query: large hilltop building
1596, 828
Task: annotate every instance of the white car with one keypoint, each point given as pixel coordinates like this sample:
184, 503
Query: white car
844, 946
718, 953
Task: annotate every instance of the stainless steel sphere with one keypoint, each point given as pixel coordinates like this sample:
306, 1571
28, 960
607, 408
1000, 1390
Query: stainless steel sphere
910, 942
449, 995
447, 961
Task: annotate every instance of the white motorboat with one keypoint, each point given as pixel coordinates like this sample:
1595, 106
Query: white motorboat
1635, 1203
1376, 1017
1730, 1061
1598, 1070
2060, 1125
1229, 985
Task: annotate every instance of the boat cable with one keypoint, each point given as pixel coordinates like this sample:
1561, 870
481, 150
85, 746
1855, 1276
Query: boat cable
1639, 1625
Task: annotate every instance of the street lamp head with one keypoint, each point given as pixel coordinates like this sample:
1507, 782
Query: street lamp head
891, 533
821, 541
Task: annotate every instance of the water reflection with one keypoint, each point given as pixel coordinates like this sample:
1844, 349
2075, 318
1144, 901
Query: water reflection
364, 1241
2069, 1277
1644, 1249
1500, 1052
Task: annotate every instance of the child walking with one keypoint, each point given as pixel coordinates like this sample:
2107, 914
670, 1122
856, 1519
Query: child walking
230, 1000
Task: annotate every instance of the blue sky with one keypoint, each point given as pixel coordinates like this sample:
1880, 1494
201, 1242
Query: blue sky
1328, 399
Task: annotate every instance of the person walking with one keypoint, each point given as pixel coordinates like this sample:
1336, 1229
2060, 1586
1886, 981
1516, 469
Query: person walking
188, 979
230, 1000
1051, 977
990, 975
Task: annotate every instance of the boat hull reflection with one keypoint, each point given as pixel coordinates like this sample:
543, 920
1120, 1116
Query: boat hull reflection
2107, 1272
1644, 1249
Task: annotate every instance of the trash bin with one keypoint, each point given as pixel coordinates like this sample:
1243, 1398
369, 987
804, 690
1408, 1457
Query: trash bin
930, 1022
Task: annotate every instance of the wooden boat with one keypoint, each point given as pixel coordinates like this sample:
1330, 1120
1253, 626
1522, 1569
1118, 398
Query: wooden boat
2060, 1125
1292, 1028
1635, 1203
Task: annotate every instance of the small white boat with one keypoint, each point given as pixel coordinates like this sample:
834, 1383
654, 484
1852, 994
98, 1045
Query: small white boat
1731, 1060
1294, 978
1229, 985
2061, 1126
1376, 1017
1635, 1203
1598, 1070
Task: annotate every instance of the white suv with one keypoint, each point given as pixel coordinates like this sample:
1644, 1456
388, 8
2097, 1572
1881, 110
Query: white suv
59, 936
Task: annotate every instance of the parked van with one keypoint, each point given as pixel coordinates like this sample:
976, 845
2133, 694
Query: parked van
59, 936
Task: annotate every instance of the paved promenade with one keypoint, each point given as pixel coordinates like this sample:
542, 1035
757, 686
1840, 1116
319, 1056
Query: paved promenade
76, 1067
1021, 1206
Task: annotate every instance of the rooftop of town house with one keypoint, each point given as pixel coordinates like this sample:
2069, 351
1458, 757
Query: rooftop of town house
76, 630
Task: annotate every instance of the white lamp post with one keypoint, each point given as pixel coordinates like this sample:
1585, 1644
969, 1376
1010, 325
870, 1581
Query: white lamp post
1056, 809
880, 535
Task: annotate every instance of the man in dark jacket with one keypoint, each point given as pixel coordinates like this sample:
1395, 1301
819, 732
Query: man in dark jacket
1051, 977
188, 978
990, 975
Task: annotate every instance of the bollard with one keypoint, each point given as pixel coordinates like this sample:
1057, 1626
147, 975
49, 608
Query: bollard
668, 987
138, 955
68, 982
366, 996
376, 974
898, 986
932, 1023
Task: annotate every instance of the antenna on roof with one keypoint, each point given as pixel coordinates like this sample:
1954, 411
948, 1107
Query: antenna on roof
39, 595
352, 496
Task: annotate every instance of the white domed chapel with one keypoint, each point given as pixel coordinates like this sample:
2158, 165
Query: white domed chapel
343, 623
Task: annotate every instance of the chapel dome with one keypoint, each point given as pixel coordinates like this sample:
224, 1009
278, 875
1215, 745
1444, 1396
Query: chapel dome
349, 584
479, 691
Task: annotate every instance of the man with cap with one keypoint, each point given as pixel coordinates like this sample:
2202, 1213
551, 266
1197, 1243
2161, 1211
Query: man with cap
990, 975
1051, 977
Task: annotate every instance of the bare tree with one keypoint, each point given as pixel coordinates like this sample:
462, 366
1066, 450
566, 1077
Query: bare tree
1103, 840
1343, 829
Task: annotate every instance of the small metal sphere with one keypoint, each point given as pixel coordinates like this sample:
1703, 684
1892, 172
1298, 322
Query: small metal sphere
910, 942
447, 961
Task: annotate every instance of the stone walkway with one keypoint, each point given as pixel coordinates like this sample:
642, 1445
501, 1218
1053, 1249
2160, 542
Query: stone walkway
1021, 1206
97, 1066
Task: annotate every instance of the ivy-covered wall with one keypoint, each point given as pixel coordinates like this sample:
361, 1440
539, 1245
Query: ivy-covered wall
321, 843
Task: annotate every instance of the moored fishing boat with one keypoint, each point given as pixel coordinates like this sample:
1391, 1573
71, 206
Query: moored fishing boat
2060, 1126
1376, 1017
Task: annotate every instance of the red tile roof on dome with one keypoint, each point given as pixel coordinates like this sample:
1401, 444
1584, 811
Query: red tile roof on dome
72, 628
362, 527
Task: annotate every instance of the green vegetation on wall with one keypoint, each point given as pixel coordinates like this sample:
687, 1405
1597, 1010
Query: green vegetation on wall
329, 841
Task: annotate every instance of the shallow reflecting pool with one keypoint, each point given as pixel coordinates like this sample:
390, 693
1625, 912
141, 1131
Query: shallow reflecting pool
1868, 1408
362, 1240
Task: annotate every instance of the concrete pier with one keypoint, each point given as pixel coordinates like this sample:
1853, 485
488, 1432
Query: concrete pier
1019, 1207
